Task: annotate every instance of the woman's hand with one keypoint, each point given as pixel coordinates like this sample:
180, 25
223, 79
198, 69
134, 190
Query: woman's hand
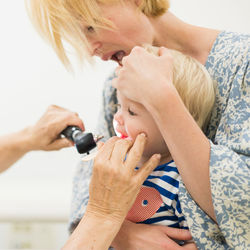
45, 134
145, 77
113, 188
115, 183
147, 237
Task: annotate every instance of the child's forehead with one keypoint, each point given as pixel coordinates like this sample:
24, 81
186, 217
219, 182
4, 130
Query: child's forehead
123, 100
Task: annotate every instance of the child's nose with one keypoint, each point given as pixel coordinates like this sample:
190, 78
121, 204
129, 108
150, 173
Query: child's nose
118, 118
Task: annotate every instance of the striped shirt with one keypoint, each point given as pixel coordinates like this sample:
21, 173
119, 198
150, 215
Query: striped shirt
158, 200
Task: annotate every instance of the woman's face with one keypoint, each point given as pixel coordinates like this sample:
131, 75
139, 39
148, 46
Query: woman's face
132, 28
132, 119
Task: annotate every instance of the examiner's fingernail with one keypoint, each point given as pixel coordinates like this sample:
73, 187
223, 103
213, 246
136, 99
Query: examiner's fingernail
142, 134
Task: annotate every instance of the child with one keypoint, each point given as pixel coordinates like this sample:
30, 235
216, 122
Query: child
157, 202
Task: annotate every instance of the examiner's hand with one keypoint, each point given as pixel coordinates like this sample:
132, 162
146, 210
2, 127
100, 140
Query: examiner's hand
45, 134
115, 183
113, 188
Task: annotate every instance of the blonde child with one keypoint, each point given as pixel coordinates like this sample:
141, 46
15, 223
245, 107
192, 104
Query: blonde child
158, 201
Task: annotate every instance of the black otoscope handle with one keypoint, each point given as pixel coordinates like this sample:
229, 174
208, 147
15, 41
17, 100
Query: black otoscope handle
70, 131
84, 142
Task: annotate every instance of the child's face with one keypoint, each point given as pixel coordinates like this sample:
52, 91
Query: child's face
132, 119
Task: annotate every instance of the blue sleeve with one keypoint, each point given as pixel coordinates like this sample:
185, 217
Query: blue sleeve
230, 162
230, 151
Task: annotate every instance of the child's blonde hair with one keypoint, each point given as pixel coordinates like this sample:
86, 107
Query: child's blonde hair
194, 85
61, 20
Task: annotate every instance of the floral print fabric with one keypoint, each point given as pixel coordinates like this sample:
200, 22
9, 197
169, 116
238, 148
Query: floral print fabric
229, 134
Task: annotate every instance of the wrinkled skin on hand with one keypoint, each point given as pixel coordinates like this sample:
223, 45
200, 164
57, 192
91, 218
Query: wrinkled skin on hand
115, 183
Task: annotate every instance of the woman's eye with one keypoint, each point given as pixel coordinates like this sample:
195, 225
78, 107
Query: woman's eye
131, 112
90, 29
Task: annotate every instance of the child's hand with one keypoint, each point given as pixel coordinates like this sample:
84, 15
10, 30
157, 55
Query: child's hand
147, 237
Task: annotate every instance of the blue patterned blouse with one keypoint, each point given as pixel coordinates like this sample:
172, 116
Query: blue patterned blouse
229, 134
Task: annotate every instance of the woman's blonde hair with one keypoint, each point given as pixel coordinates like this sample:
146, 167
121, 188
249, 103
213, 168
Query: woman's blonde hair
194, 85
60, 21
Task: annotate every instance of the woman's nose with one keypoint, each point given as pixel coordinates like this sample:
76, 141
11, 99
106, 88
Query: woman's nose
95, 48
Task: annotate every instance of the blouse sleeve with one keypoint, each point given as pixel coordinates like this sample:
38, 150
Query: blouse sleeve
230, 187
229, 163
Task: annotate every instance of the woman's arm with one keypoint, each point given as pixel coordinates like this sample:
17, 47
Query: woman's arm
93, 232
44, 135
13, 147
188, 145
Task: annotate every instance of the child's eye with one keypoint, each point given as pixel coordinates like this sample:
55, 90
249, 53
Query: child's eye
131, 112
117, 106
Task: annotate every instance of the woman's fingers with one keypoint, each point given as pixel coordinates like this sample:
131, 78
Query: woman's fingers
117, 70
120, 150
136, 151
105, 150
162, 51
165, 54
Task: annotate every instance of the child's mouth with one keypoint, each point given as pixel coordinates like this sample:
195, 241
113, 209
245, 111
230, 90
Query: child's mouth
123, 136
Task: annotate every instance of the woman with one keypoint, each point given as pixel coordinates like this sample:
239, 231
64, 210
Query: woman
215, 170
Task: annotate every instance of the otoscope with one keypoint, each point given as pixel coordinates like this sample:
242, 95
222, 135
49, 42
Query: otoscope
84, 142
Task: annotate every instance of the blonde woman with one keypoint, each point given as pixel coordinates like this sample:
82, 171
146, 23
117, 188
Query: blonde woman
214, 169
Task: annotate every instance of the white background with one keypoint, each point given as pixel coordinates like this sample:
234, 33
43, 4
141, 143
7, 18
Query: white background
32, 77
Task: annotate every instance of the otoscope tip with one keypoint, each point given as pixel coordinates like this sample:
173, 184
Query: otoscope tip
98, 137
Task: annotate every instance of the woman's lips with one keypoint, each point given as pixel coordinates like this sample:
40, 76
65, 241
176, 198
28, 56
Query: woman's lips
115, 56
